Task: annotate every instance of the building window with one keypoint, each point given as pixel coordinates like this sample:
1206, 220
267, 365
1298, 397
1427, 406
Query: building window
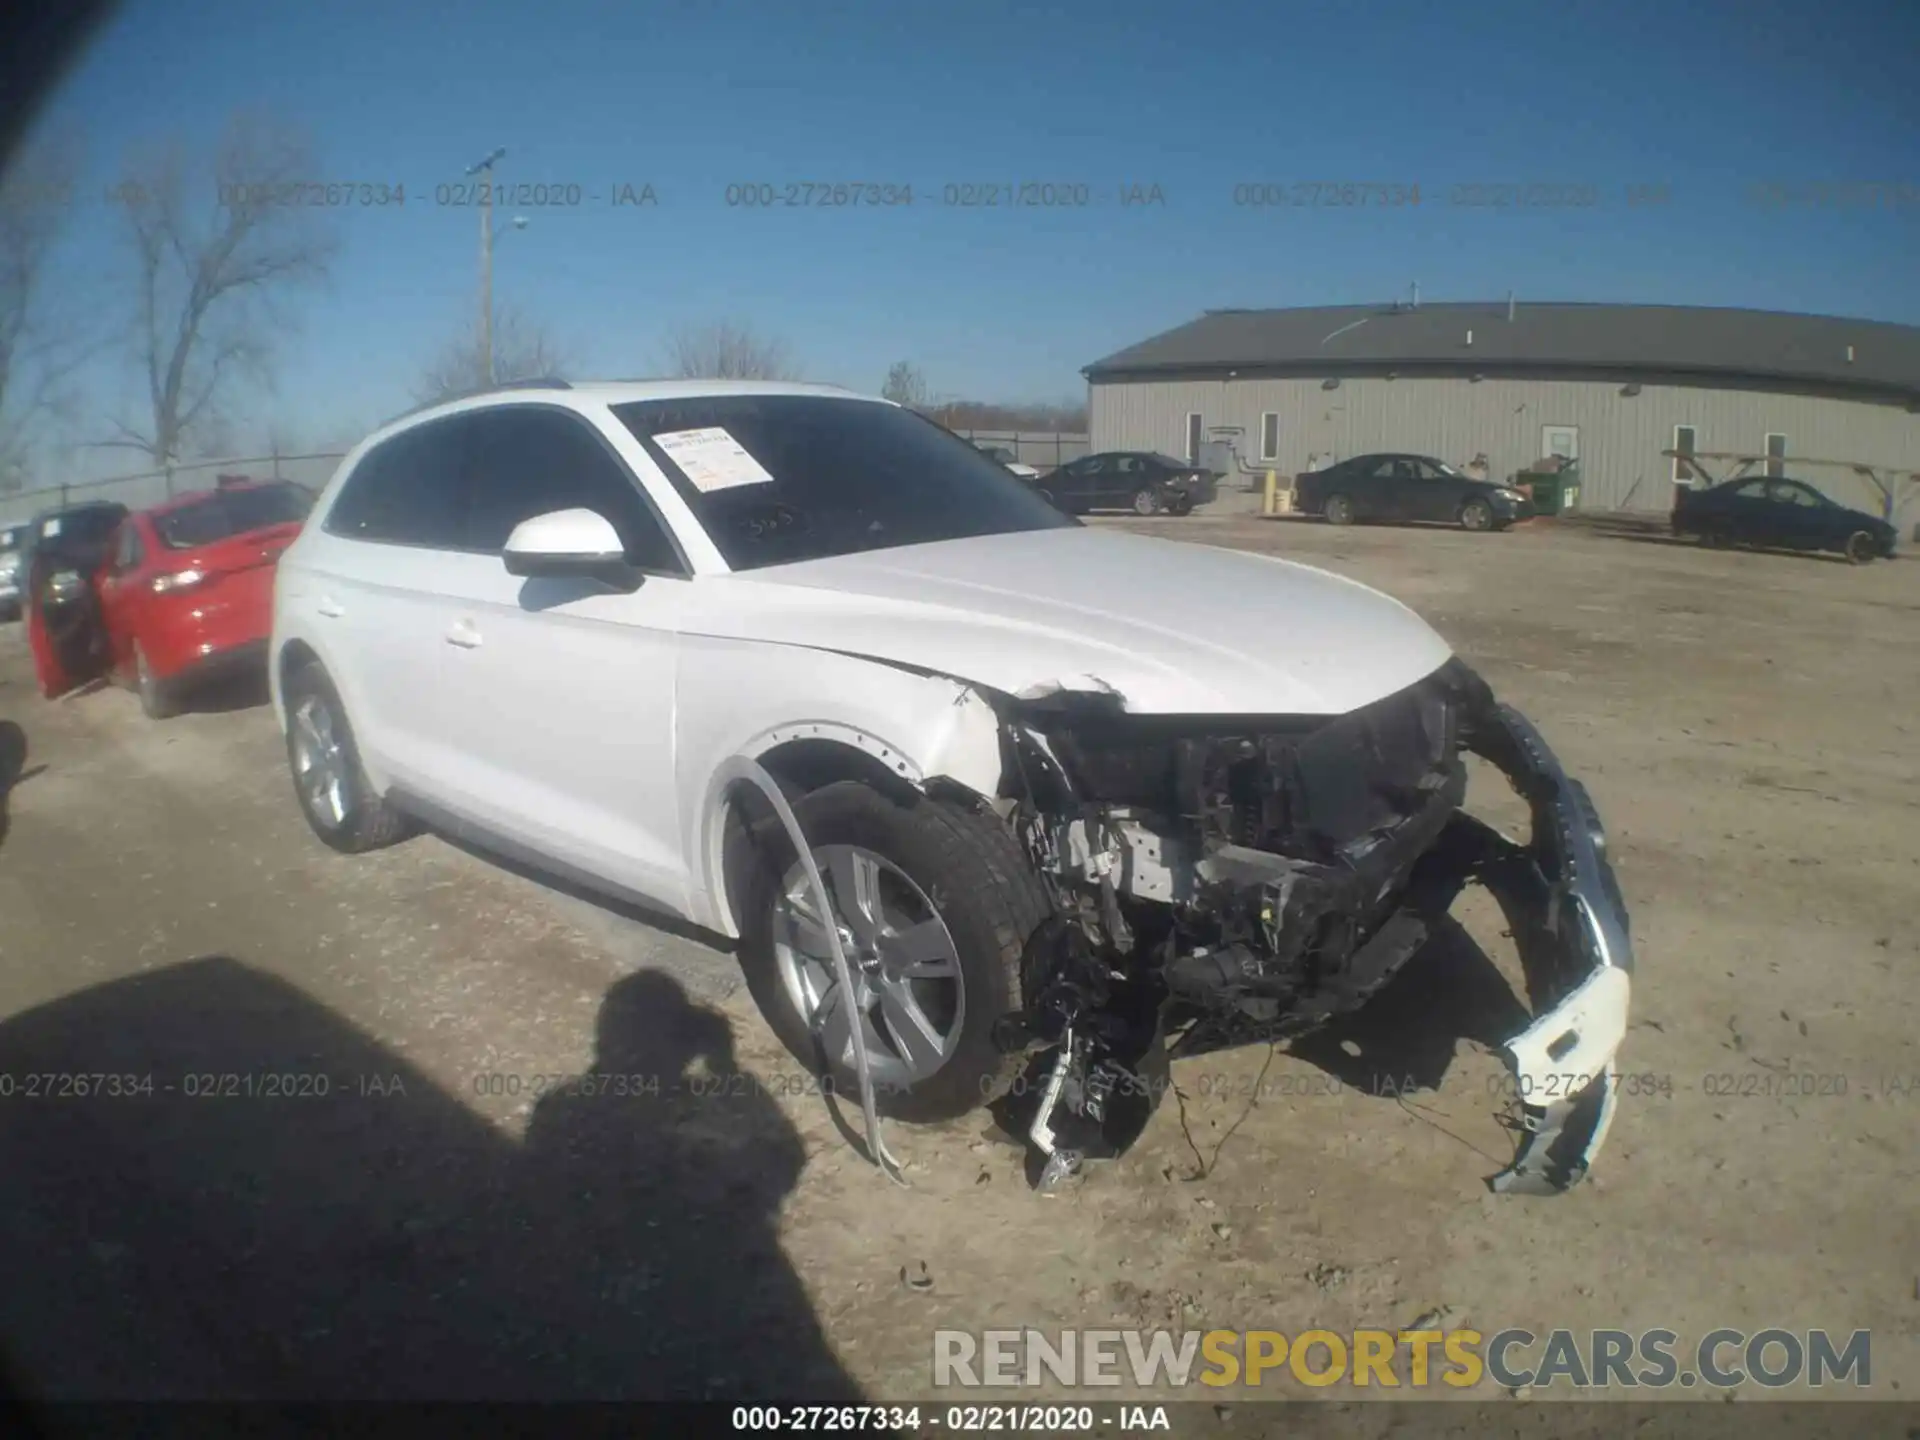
1683, 441
1269, 436
1193, 436
1776, 453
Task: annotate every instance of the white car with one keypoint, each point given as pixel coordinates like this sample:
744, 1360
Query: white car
1068, 813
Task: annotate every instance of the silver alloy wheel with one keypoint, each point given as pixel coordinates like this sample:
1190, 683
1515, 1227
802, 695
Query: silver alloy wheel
1339, 509
1476, 515
1145, 502
319, 763
908, 990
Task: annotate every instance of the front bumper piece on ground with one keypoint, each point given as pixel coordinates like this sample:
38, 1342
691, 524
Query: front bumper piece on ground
1578, 955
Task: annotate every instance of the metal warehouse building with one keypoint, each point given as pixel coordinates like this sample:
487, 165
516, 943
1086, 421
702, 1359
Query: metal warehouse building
1610, 385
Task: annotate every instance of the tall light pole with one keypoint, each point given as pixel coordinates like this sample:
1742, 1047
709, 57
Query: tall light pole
485, 168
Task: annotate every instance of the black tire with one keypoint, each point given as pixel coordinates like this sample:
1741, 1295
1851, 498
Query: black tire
1182, 506
1476, 515
1053, 500
1146, 501
368, 822
980, 884
1861, 548
158, 700
1338, 509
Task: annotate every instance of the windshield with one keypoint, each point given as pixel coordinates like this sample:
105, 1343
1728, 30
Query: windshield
775, 479
227, 513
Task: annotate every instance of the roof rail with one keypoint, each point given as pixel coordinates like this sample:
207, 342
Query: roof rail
552, 383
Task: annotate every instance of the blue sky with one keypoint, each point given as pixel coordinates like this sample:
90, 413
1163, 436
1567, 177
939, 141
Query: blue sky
1705, 99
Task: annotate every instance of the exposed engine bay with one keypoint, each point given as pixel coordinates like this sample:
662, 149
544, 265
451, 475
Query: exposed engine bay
1221, 880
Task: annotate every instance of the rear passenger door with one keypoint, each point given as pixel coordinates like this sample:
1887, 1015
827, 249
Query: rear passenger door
377, 595
561, 691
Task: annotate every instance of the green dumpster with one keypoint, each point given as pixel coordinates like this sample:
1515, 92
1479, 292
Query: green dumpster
1553, 492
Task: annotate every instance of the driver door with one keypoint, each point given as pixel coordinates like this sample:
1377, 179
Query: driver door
1429, 495
560, 691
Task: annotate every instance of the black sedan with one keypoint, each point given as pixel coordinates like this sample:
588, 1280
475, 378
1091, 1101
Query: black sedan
1779, 514
1407, 487
1142, 481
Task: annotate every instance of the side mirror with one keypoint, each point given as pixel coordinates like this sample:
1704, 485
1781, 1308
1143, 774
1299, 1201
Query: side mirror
570, 545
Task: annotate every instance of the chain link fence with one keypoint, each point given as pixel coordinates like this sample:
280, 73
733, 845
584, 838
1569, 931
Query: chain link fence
1043, 449
151, 487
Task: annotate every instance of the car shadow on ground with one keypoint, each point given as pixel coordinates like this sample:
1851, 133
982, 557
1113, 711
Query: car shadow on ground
1405, 1037
477, 847
245, 690
233, 1235
1651, 530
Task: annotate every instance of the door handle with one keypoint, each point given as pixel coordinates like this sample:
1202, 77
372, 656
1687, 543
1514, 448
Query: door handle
464, 634
330, 608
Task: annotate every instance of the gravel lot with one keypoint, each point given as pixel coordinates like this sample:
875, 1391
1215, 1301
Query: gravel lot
443, 1221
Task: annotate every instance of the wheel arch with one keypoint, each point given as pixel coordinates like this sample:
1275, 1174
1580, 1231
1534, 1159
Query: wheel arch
811, 755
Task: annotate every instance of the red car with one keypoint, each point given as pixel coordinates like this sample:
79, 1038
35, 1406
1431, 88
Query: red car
186, 591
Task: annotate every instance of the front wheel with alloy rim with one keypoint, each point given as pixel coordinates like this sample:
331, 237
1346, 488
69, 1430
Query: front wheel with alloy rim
1476, 515
1862, 548
157, 699
1146, 501
328, 778
933, 904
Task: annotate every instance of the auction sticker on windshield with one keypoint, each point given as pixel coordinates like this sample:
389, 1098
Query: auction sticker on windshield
712, 459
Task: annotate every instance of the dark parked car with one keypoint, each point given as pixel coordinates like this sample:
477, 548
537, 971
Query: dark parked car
1779, 514
1407, 487
1142, 481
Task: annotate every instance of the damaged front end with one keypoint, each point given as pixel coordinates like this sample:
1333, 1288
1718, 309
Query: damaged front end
1224, 880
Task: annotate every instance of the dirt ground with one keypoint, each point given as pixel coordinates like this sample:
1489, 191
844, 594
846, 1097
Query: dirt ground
446, 1221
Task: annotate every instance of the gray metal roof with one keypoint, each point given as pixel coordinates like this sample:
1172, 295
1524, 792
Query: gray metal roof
1678, 341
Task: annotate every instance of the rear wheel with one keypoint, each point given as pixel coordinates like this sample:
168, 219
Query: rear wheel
1476, 515
158, 699
328, 777
934, 905
1339, 510
1861, 548
1146, 501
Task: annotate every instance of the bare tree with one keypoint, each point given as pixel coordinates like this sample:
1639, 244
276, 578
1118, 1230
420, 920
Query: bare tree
728, 351
211, 269
522, 350
905, 385
38, 353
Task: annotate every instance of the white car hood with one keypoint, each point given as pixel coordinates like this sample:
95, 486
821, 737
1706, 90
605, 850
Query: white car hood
1174, 628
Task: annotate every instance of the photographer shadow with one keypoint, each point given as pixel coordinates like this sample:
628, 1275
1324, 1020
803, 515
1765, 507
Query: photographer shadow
362, 1234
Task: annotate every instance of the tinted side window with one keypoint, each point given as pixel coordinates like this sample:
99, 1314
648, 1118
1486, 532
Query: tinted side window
530, 460
407, 490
